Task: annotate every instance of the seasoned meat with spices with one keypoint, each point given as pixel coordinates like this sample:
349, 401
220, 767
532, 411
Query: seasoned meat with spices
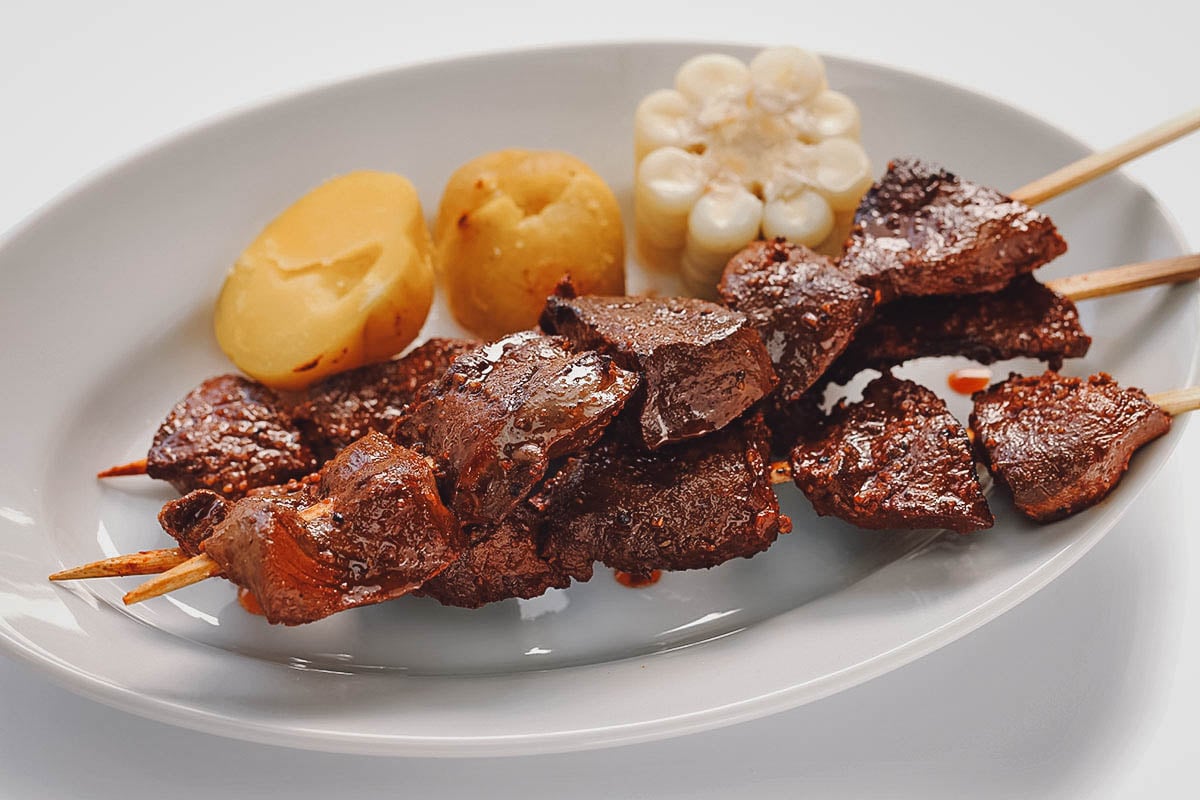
502, 560
803, 306
922, 230
376, 530
502, 411
190, 519
347, 406
702, 365
230, 435
1061, 444
690, 505
897, 459
1023, 320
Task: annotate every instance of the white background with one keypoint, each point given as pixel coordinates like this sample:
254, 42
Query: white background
1090, 689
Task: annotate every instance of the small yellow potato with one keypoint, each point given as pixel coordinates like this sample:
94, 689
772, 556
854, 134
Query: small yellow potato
511, 224
342, 278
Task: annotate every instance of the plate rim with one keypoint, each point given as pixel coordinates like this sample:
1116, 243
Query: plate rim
105, 691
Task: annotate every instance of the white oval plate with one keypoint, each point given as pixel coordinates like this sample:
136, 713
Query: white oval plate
106, 300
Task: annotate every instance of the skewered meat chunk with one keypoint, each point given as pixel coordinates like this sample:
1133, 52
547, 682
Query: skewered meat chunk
347, 406
690, 505
503, 560
702, 365
1061, 444
805, 309
502, 411
191, 519
230, 435
381, 532
897, 459
1025, 319
922, 230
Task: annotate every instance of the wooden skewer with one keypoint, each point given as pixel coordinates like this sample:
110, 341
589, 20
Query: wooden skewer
1097, 164
193, 570
1102, 283
1178, 401
132, 468
147, 562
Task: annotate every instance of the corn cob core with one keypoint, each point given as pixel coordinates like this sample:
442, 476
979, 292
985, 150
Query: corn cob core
736, 151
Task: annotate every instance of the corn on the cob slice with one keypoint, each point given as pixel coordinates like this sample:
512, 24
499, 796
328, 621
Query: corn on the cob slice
736, 151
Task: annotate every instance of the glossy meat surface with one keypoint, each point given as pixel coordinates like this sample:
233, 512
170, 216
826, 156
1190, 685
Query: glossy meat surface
376, 530
502, 561
347, 406
690, 505
702, 365
803, 306
922, 230
191, 519
230, 435
895, 460
1023, 320
496, 418
1061, 444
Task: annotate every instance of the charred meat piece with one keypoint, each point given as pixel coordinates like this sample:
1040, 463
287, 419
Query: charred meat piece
702, 364
804, 307
229, 435
922, 230
503, 560
1023, 320
347, 406
377, 530
502, 411
897, 459
690, 505
1061, 444
191, 519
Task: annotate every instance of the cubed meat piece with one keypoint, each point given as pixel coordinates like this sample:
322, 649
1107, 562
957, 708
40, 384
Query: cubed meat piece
690, 505
702, 365
803, 306
229, 435
1061, 444
1023, 320
502, 561
349, 405
895, 460
191, 519
377, 530
496, 418
922, 230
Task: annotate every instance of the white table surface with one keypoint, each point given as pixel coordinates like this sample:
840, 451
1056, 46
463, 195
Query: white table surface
1089, 689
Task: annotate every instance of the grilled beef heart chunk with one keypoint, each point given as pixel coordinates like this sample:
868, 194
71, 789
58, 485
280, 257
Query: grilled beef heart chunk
690, 505
230, 435
382, 531
1061, 444
502, 411
897, 459
922, 230
702, 365
349, 405
805, 309
1023, 320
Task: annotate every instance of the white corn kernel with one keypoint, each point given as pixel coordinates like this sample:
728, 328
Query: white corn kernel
669, 182
833, 115
785, 77
712, 77
804, 219
843, 172
661, 120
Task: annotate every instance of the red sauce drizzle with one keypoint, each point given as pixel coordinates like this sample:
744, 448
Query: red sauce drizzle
970, 380
636, 580
248, 601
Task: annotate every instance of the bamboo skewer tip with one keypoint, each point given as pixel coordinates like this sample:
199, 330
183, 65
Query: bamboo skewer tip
146, 562
194, 570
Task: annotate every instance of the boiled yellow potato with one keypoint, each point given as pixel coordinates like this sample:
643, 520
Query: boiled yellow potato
511, 224
343, 277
